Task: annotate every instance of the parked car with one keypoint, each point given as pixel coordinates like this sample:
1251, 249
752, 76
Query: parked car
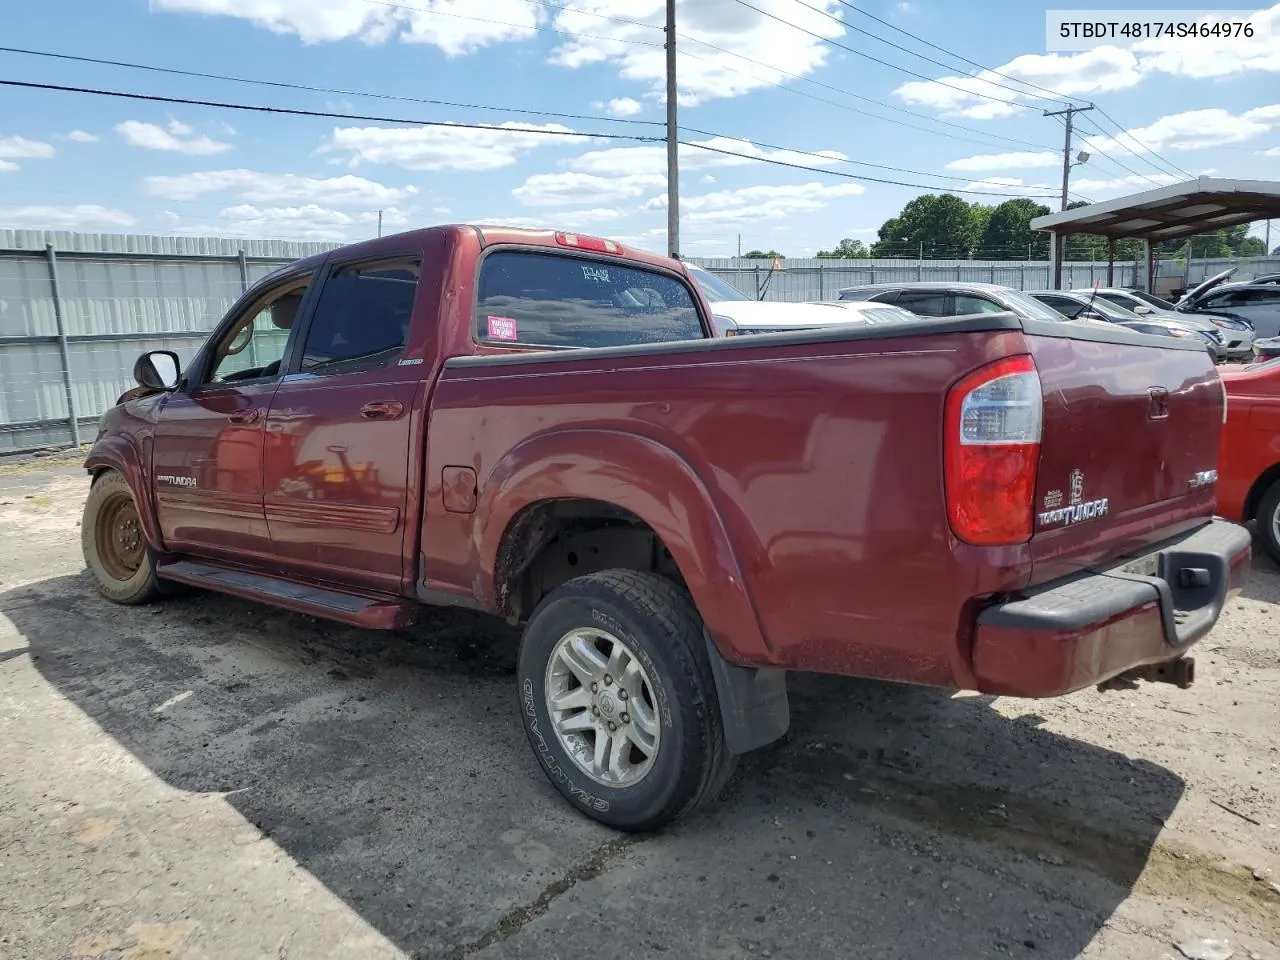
1237, 334
734, 314
1077, 306
946, 299
1264, 349
544, 426
1249, 459
1256, 303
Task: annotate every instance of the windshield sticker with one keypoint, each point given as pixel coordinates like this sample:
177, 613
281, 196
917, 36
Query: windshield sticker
596, 274
502, 328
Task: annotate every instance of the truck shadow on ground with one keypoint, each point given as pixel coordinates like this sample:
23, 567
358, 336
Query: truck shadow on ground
394, 769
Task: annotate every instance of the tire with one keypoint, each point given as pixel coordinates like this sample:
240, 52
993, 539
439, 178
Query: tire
120, 563
1269, 521
649, 628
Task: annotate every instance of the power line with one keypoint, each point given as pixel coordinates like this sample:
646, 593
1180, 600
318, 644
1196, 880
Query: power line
1168, 163
1116, 160
326, 114
856, 96
860, 163
279, 84
897, 46
846, 176
873, 59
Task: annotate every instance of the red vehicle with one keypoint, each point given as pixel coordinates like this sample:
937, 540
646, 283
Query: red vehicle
543, 426
1249, 462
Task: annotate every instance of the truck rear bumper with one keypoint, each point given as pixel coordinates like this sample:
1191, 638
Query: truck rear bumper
1077, 632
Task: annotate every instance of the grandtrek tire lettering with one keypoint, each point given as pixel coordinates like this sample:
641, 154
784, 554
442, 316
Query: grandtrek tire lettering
1093, 510
549, 761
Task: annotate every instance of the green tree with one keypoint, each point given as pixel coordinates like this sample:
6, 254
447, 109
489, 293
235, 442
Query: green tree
936, 226
1008, 234
847, 250
761, 255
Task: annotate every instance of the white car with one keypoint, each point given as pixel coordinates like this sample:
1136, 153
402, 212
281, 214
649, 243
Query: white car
735, 314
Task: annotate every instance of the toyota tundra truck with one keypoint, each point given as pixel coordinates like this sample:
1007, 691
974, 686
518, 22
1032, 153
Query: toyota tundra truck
543, 426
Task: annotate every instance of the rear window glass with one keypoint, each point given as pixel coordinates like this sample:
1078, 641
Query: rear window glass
554, 300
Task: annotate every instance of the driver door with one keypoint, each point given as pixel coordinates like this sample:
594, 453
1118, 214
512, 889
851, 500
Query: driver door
207, 457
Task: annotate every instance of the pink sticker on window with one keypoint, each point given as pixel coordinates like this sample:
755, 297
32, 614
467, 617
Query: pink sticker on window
502, 328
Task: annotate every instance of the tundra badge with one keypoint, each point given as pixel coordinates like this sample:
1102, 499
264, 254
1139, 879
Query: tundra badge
1080, 509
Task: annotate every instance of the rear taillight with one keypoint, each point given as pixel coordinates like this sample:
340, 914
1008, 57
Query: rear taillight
992, 449
594, 244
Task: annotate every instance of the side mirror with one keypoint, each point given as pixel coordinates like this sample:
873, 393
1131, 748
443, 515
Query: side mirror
157, 370
1142, 311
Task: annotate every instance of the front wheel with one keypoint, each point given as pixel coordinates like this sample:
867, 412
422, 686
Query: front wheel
619, 702
1269, 521
115, 550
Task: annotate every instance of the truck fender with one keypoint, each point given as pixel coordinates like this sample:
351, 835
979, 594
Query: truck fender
117, 452
653, 482
660, 487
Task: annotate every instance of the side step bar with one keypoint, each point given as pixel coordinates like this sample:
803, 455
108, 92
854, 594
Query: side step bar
371, 612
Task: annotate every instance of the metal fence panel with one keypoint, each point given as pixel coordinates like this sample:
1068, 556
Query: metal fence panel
119, 296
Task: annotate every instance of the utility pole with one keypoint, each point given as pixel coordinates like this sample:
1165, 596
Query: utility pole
673, 139
379, 223
1267, 241
1055, 253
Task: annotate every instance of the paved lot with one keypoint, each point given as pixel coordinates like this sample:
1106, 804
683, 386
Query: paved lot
212, 779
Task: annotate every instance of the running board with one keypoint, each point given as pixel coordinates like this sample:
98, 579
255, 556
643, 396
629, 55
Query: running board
371, 612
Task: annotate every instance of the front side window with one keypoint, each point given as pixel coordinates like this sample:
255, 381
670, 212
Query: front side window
362, 318
554, 300
924, 304
254, 346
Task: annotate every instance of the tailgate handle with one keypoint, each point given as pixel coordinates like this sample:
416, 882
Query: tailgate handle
1158, 407
1194, 577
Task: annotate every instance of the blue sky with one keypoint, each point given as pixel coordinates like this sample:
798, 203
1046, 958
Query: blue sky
72, 161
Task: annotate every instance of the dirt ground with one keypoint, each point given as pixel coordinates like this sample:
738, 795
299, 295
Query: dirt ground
208, 778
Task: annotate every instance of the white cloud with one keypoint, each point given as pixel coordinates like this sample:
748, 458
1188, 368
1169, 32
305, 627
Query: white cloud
708, 178
20, 148
620, 107
1006, 161
7, 167
451, 25
444, 148
1273, 152
257, 187
309, 221
749, 204
704, 73
178, 138
557, 189
77, 217
1006, 184
1134, 183
1192, 130
1100, 70
566, 220
625, 161
80, 136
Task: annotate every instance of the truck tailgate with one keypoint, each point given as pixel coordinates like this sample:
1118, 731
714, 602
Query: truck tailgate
1129, 445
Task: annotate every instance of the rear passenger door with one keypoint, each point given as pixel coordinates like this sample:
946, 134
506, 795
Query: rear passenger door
338, 434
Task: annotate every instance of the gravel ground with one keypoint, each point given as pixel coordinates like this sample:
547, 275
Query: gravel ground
208, 778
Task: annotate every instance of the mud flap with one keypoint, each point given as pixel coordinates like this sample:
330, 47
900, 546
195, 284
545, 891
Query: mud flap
753, 702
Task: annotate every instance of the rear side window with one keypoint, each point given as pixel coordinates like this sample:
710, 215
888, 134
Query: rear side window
966, 304
554, 300
361, 320
925, 304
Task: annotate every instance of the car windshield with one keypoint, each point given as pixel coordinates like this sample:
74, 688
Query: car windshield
1111, 310
1149, 300
713, 288
1029, 306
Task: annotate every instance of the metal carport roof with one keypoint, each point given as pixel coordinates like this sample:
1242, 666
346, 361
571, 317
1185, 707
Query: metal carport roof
1170, 213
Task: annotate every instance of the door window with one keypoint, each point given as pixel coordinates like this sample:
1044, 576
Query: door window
966, 304
254, 346
555, 300
1068, 308
924, 304
361, 320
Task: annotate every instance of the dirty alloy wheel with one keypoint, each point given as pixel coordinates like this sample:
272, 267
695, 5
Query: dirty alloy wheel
115, 550
619, 702
1269, 521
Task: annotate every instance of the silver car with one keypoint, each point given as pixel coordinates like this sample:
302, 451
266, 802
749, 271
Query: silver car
1236, 334
1079, 306
1257, 304
946, 299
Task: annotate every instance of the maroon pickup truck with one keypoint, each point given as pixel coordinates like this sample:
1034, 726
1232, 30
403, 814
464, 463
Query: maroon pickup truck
543, 426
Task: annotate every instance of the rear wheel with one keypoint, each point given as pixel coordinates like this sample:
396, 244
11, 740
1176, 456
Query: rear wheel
115, 550
619, 702
1269, 521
